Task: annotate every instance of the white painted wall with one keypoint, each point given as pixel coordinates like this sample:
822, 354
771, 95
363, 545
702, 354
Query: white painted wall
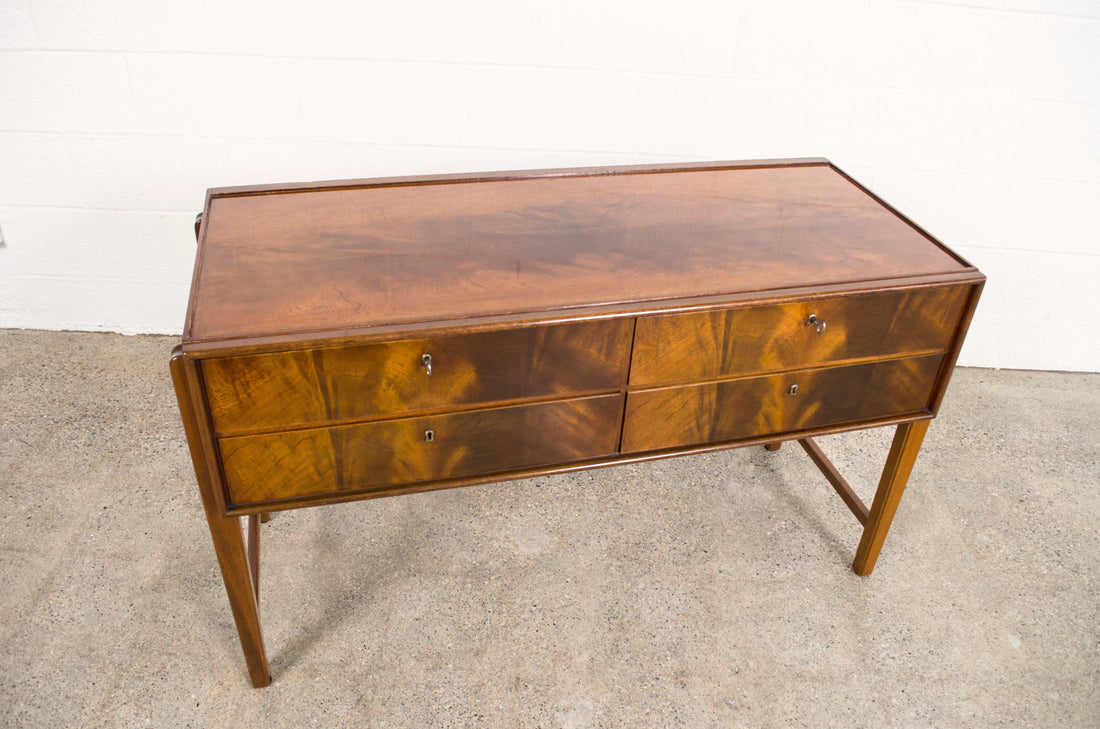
979, 119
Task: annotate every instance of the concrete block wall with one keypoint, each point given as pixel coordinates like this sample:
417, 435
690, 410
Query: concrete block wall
978, 119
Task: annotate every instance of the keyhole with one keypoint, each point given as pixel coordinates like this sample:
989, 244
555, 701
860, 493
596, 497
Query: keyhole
429, 436
816, 323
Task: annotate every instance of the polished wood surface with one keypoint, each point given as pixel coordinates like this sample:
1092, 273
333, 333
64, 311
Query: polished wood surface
364, 255
353, 340
338, 384
396, 452
225, 531
254, 552
899, 464
721, 343
752, 406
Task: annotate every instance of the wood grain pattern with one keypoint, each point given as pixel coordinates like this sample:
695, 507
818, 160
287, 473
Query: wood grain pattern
722, 343
394, 452
356, 257
724, 411
345, 383
566, 312
225, 531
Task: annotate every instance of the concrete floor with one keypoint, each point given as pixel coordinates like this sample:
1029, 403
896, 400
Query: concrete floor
707, 591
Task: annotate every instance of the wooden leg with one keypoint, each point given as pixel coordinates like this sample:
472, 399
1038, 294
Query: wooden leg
773, 446
254, 553
265, 517
899, 464
226, 531
237, 574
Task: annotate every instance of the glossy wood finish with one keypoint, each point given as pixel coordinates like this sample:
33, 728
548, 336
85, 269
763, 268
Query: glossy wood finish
899, 464
224, 530
752, 406
254, 552
288, 389
712, 344
396, 452
361, 255
574, 318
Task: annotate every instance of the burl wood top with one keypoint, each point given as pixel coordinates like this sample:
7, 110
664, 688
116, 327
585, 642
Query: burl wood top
338, 256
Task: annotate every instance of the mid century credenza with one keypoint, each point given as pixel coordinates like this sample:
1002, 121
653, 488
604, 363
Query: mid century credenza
357, 339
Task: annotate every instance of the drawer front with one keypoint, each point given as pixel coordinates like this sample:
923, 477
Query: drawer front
755, 406
715, 344
343, 458
288, 389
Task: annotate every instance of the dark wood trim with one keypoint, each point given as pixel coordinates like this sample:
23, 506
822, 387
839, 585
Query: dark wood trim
512, 175
196, 271
203, 424
224, 530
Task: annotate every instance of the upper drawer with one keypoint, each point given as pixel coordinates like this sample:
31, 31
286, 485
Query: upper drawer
729, 342
271, 391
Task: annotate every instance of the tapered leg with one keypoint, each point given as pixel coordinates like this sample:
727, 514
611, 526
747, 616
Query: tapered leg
237, 574
224, 530
254, 553
899, 464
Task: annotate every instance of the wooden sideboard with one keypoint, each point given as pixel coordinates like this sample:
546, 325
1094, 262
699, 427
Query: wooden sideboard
357, 339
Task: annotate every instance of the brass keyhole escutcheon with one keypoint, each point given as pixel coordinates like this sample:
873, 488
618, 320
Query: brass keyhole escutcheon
429, 435
426, 362
792, 390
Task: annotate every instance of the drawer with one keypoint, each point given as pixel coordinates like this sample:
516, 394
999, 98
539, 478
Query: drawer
314, 387
331, 460
755, 406
730, 342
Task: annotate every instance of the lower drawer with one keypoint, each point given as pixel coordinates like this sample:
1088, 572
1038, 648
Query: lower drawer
729, 410
320, 461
